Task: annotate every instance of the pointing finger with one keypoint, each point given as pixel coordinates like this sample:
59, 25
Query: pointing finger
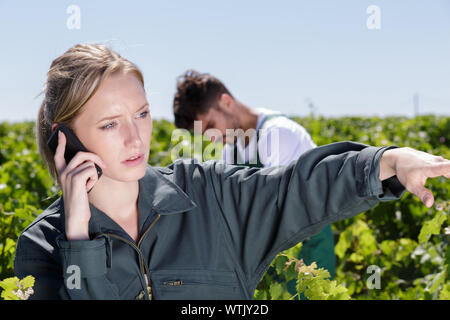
439, 169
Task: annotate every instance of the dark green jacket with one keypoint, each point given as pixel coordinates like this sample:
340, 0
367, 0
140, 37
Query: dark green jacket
216, 231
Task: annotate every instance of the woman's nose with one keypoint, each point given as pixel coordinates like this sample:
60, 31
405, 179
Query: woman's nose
132, 134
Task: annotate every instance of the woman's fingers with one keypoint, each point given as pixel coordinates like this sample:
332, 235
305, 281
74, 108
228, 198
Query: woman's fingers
425, 195
85, 175
81, 157
441, 168
415, 183
415, 167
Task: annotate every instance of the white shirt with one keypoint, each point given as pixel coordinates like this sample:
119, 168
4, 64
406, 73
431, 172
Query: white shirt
281, 141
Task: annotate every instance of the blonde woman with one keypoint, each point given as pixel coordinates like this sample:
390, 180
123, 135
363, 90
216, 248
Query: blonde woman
190, 230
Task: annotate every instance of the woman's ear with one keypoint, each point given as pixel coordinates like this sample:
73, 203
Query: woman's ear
54, 125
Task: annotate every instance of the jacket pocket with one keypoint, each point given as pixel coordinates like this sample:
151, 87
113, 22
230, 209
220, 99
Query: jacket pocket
184, 284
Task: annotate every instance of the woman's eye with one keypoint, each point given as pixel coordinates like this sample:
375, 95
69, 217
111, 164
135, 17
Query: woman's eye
144, 114
110, 125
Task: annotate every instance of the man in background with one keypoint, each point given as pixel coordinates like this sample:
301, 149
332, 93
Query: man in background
275, 140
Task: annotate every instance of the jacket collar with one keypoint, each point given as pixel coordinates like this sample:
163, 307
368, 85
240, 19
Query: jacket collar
161, 194
157, 195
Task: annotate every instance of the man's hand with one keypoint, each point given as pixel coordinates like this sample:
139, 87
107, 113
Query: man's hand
413, 168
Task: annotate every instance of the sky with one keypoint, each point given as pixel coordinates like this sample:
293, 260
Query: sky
337, 56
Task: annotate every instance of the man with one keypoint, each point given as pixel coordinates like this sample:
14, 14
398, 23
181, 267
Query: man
267, 139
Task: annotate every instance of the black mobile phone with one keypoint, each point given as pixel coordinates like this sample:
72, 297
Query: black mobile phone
73, 145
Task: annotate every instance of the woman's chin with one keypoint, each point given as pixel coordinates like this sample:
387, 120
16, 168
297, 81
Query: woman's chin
125, 175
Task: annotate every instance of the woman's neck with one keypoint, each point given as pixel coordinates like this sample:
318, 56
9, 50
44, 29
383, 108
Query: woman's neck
115, 198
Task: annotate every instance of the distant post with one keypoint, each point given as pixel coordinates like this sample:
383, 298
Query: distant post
416, 104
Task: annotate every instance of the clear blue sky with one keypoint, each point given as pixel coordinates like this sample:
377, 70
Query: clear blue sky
270, 54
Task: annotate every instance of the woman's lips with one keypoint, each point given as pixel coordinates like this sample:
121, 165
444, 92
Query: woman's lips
135, 162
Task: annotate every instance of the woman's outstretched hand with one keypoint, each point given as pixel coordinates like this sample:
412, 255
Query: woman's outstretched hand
413, 168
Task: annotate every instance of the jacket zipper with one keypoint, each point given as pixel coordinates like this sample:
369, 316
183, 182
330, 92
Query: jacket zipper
173, 283
146, 278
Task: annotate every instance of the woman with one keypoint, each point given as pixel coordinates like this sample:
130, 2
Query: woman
190, 230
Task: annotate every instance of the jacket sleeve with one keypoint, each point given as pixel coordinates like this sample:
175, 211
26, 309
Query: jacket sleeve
72, 270
268, 210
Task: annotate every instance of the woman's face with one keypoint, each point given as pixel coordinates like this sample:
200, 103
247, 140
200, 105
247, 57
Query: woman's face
126, 131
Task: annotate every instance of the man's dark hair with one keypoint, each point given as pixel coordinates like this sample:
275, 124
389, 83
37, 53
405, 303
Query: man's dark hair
196, 94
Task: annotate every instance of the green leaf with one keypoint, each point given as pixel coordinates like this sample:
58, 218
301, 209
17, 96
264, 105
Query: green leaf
27, 282
15, 289
387, 247
280, 263
432, 226
8, 285
278, 291
438, 280
343, 244
445, 292
315, 284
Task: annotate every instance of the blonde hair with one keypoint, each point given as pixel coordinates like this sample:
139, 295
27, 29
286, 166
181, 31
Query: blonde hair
72, 80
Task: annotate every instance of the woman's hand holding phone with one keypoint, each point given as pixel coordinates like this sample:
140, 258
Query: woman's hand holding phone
76, 178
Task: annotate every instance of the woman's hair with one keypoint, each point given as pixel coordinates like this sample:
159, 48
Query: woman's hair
72, 80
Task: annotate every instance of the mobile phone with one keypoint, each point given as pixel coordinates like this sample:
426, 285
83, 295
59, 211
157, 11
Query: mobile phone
73, 145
